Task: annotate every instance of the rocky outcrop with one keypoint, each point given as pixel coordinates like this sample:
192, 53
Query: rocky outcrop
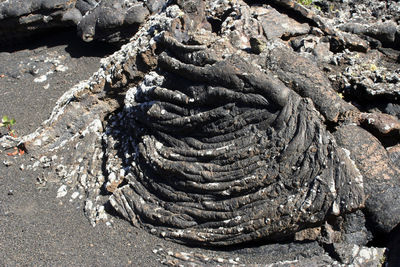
115, 21
22, 18
111, 21
218, 124
238, 157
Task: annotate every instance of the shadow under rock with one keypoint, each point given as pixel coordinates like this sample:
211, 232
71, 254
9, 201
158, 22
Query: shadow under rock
78, 48
393, 245
65, 36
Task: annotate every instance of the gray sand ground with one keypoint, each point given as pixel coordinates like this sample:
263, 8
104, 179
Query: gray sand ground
36, 228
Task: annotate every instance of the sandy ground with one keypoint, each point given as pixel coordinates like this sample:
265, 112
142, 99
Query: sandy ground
36, 228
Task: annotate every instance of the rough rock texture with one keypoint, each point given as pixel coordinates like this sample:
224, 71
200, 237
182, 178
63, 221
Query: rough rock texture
218, 124
114, 21
380, 175
22, 18
230, 160
111, 21
280, 255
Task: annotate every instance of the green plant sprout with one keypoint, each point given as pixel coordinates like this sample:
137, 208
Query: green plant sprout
305, 2
8, 123
309, 3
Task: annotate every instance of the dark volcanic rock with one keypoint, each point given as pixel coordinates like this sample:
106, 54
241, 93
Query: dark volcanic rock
23, 18
355, 231
393, 109
233, 159
86, 5
277, 25
112, 21
381, 176
217, 124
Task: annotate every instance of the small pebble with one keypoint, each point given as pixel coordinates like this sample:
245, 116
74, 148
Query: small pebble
6, 163
62, 191
75, 195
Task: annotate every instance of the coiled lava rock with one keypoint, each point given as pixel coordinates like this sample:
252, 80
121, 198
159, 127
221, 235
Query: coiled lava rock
227, 154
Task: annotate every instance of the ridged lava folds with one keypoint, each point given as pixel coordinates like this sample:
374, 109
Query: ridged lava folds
226, 154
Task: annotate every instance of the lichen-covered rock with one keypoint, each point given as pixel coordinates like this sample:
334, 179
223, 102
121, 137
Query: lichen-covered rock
370, 78
212, 127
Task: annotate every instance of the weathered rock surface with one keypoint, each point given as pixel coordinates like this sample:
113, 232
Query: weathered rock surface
111, 21
22, 18
239, 144
114, 21
223, 123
